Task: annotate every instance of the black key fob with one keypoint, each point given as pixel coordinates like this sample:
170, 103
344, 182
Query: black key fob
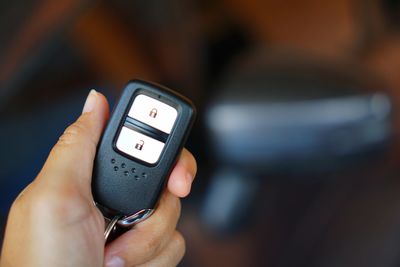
139, 147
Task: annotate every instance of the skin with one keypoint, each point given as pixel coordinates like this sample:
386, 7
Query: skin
53, 222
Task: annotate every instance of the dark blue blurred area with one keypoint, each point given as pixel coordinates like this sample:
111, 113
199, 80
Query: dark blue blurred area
26, 140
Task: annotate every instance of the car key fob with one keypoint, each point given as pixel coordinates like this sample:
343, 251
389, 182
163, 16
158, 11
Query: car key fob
139, 147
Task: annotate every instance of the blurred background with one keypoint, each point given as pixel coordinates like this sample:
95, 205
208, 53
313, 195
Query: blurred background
297, 133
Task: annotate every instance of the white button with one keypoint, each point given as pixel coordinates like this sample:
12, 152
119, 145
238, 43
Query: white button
139, 145
154, 113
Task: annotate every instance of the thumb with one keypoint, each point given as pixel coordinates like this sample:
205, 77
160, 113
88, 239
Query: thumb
71, 159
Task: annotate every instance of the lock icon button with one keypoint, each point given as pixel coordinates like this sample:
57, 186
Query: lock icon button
153, 113
139, 145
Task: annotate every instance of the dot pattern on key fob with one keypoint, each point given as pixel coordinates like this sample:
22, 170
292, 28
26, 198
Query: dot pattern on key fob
124, 168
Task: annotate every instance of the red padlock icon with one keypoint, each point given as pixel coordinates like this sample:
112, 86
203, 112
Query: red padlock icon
139, 145
153, 113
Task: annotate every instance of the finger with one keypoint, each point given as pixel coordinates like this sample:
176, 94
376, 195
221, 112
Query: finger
171, 255
147, 238
71, 159
182, 176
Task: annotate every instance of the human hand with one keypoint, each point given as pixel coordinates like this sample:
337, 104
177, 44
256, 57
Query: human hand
54, 222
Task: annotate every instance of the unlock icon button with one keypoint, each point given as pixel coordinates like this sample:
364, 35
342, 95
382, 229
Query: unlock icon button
139, 145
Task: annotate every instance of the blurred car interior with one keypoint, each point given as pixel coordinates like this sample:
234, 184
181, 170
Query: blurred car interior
297, 134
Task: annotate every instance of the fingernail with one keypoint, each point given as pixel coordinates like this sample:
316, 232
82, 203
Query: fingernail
90, 101
115, 262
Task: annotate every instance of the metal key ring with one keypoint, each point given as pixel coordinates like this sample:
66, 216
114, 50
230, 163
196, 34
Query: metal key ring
111, 227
